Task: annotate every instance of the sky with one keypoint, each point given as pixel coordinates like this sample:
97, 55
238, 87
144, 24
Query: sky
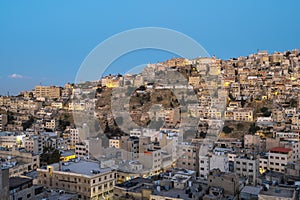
45, 42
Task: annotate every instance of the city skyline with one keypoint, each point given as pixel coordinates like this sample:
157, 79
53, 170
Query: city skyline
46, 43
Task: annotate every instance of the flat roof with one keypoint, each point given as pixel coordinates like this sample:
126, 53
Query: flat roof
84, 167
280, 150
67, 153
15, 182
278, 192
251, 190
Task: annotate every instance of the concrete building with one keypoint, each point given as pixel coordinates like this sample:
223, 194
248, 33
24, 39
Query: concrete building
130, 147
219, 161
50, 92
74, 133
3, 121
33, 144
22, 188
91, 148
19, 162
152, 160
4, 184
278, 158
247, 166
188, 156
114, 143
85, 178
52, 124
172, 117
292, 171
10, 139
250, 193
228, 181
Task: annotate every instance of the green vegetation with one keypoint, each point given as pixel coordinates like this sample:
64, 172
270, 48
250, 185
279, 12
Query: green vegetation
50, 155
227, 129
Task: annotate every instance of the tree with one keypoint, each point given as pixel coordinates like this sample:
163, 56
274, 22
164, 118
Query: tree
50, 155
227, 129
240, 126
253, 129
231, 97
99, 90
293, 103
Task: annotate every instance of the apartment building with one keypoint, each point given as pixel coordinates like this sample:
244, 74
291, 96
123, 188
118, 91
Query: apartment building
247, 166
85, 178
278, 158
91, 148
50, 92
33, 144
19, 162
3, 121
292, 171
188, 156
130, 147
10, 139
172, 117
51, 124
114, 143
227, 181
239, 114
152, 160
74, 134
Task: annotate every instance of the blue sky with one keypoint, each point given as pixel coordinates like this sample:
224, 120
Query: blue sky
46, 41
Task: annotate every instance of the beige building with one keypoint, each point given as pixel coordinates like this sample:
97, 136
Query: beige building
3, 121
172, 117
74, 133
10, 139
33, 144
194, 80
51, 92
152, 160
188, 156
91, 148
292, 171
114, 143
228, 181
239, 115
278, 158
130, 147
52, 124
85, 178
19, 162
247, 167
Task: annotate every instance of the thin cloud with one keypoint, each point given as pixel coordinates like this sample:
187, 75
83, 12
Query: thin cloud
17, 76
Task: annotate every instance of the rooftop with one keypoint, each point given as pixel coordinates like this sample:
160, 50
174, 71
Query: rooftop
89, 168
251, 190
15, 182
278, 192
280, 150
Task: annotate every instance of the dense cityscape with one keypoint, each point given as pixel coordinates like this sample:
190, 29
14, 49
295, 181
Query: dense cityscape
202, 128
